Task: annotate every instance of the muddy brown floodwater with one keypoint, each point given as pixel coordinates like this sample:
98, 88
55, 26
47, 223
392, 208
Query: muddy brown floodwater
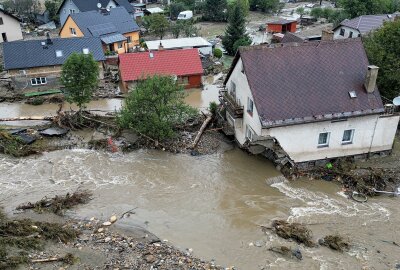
213, 204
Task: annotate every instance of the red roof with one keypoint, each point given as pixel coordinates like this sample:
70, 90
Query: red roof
183, 62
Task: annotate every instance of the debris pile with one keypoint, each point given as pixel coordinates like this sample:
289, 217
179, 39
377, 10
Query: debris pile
295, 231
59, 204
335, 242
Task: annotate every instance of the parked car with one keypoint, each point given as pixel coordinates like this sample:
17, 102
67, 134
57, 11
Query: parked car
185, 15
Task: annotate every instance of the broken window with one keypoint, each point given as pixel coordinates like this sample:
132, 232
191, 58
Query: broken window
323, 139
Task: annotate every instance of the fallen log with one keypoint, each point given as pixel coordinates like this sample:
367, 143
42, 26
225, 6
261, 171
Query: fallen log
203, 126
30, 118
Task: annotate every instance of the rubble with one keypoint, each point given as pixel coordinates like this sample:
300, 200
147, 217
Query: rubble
335, 242
295, 231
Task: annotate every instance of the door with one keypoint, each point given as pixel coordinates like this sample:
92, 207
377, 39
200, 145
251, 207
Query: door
4, 36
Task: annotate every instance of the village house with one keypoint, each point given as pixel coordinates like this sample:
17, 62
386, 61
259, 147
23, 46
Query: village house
10, 28
204, 47
302, 102
38, 63
362, 25
69, 7
184, 64
118, 32
282, 26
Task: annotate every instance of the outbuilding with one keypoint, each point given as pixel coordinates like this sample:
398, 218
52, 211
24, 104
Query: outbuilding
282, 26
184, 64
204, 47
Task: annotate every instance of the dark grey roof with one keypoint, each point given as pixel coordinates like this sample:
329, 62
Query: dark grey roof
112, 38
94, 23
31, 53
305, 82
88, 5
367, 23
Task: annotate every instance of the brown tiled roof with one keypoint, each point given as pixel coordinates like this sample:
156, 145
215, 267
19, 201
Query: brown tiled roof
366, 23
282, 21
290, 37
306, 82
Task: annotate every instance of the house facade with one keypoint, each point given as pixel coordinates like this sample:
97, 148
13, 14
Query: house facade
362, 25
302, 103
69, 7
37, 64
10, 28
185, 64
282, 26
118, 32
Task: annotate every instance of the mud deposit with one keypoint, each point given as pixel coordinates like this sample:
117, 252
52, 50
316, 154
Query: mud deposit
212, 204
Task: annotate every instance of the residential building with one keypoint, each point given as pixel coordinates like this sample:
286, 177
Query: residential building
10, 29
153, 10
69, 7
184, 64
199, 43
117, 30
38, 63
360, 26
311, 101
282, 26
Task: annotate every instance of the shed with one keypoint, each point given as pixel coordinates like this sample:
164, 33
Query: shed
199, 43
282, 26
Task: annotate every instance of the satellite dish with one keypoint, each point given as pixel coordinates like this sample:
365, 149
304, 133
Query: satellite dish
396, 101
99, 5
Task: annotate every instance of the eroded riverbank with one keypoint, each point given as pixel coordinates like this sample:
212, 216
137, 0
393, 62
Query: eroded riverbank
212, 204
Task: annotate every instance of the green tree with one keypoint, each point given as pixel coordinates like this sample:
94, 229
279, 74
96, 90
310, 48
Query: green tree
316, 12
268, 6
52, 7
217, 53
156, 24
300, 11
176, 8
155, 107
80, 76
355, 8
235, 30
241, 42
245, 6
383, 50
215, 10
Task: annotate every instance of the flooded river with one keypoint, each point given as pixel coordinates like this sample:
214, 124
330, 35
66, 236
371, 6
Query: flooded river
213, 204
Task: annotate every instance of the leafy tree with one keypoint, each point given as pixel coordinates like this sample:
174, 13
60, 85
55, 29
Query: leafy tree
52, 7
215, 10
383, 50
235, 30
184, 26
245, 6
155, 107
268, 6
317, 12
217, 53
189, 4
241, 42
24, 8
80, 76
300, 11
156, 24
357, 8
176, 8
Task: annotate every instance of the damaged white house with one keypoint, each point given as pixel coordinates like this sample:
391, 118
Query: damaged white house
306, 102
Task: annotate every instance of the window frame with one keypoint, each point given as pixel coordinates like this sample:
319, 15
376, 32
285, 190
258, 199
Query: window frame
350, 141
326, 144
351, 34
1, 21
38, 81
342, 32
73, 31
249, 133
250, 102
120, 45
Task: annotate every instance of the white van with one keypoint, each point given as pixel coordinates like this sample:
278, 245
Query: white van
185, 15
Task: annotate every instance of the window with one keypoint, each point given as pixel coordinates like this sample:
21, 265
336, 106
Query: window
351, 34
129, 39
249, 133
59, 53
183, 80
71, 11
232, 89
323, 139
1, 21
359, 35
348, 136
250, 106
85, 50
342, 31
4, 36
242, 69
119, 45
73, 31
39, 81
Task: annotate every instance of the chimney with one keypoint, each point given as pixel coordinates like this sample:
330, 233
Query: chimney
370, 79
327, 34
48, 39
160, 47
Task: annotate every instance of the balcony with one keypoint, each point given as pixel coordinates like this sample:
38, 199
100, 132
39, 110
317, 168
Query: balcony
231, 105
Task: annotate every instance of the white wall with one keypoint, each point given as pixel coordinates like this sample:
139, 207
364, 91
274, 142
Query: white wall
242, 92
336, 34
11, 27
301, 141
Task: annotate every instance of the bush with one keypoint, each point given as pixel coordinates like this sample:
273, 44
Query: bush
213, 107
217, 53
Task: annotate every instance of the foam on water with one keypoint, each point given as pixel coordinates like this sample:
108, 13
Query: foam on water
318, 203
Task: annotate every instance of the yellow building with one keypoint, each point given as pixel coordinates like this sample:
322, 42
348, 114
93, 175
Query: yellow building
117, 30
